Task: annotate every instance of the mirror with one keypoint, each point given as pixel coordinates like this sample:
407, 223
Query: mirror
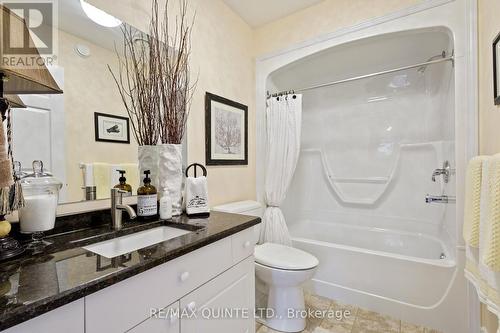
61, 129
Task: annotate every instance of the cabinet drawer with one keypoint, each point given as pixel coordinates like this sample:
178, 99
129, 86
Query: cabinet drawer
225, 304
243, 244
67, 318
167, 321
125, 304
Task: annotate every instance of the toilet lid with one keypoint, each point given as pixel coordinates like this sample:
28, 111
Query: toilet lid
284, 257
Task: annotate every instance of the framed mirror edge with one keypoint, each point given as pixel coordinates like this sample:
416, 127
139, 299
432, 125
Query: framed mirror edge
496, 68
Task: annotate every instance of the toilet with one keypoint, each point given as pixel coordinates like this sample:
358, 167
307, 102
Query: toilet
283, 269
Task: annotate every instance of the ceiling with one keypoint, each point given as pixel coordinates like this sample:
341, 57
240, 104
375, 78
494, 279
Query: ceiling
259, 12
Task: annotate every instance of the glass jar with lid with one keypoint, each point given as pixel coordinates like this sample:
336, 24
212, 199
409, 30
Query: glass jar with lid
41, 193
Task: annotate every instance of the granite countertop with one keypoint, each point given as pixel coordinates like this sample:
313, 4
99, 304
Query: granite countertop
36, 283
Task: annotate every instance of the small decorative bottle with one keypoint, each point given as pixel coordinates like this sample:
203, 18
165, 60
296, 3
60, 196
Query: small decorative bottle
147, 199
123, 184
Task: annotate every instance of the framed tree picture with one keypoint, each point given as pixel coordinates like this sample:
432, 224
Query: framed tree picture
111, 128
226, 131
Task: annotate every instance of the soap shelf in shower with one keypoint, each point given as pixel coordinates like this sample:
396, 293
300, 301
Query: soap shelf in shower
383, 182
364, 180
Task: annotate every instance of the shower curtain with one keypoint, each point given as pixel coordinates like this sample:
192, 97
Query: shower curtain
283, 116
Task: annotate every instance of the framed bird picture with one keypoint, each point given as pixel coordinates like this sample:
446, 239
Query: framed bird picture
111, 128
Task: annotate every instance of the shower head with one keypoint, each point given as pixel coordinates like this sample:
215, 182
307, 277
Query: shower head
422, 69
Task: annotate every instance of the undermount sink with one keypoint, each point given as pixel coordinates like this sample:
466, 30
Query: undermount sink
125, 244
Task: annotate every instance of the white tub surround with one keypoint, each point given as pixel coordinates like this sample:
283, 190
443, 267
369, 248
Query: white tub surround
369, 147
284, 121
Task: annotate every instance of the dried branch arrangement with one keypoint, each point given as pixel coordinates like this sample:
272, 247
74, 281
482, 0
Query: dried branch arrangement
176, 89
137, 81
154, 77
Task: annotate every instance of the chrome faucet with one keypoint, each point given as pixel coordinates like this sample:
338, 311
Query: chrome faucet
439, 199
117, 208
445, 171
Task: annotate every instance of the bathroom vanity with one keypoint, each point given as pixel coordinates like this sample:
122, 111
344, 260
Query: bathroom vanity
183, 284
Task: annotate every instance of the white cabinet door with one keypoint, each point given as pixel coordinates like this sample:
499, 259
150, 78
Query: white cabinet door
224, 304
166, 321
67, 318
38, 132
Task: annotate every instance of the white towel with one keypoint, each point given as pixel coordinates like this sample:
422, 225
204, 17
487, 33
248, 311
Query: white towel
88, 174
196, 195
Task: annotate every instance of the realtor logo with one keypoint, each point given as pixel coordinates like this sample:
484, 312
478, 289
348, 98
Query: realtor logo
29, 32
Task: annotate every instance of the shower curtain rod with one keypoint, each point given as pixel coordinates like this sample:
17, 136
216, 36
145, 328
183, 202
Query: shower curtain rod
431, 62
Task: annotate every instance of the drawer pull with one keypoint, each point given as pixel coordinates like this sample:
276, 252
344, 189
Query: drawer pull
184, 276
247, 244
191, 306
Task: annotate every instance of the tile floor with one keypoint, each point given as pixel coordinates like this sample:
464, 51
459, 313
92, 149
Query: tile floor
351, 319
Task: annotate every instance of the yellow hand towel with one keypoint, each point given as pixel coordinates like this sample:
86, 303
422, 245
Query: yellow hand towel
102, 180
491, 218
473, 201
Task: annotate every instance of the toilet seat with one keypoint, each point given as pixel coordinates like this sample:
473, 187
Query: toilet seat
284, 257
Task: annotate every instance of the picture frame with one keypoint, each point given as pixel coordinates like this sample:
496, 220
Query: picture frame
111, 128
226, 131
496, 69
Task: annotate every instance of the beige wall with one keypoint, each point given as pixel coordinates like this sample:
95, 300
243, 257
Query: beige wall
488, 320
325, 17
489, 114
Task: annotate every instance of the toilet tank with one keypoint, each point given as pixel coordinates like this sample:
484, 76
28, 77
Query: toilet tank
247, 207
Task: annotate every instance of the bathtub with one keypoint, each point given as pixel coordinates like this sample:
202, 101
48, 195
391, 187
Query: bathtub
373, 264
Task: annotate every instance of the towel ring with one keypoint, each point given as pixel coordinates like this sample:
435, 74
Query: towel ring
196, 165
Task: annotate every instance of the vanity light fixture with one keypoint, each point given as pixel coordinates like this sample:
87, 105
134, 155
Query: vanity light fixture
99, 16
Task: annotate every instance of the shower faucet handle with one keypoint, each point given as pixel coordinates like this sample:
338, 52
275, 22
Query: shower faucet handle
440, 199
445, 171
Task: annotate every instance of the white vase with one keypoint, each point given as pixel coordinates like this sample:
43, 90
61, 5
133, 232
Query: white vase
170, 165
148, 160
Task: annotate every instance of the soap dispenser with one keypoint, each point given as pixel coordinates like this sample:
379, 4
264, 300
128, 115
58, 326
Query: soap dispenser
123, 184
147, 199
